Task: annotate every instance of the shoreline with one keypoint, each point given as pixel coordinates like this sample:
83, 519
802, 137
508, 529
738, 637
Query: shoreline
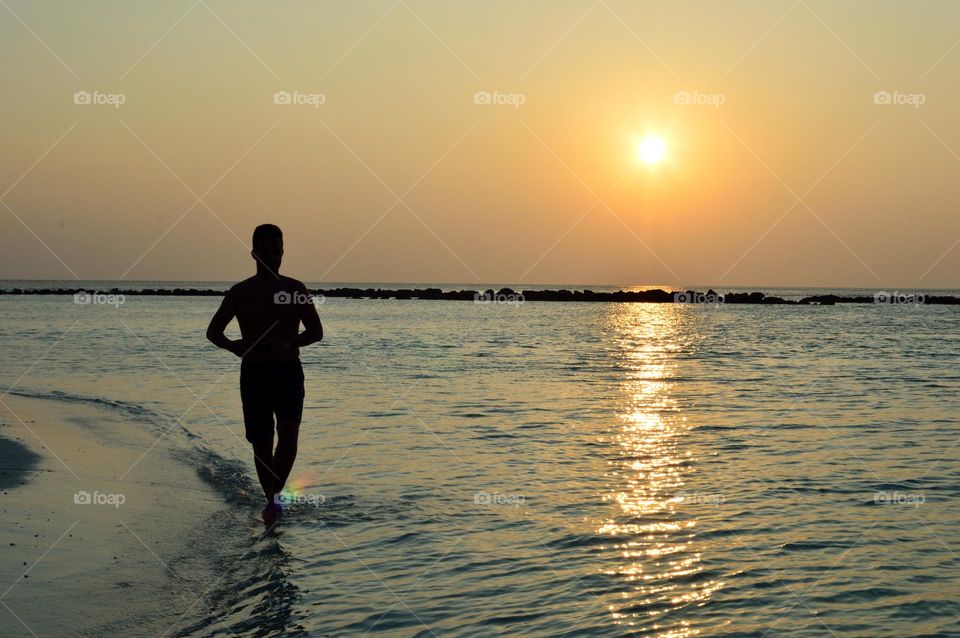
511, 296
102, 528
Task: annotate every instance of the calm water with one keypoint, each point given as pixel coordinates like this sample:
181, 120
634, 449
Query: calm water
560, 469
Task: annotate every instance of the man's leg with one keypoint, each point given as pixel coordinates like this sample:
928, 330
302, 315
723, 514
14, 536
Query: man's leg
263, 459
258, 422
289, 412
286, 453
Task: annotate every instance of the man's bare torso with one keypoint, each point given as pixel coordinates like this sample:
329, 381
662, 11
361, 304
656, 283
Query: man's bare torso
267, 310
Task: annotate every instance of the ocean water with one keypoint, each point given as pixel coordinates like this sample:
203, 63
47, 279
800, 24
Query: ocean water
555, 469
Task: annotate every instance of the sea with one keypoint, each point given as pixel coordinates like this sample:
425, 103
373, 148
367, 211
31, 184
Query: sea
552, 469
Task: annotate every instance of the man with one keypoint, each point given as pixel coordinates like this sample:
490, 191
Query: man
269, 309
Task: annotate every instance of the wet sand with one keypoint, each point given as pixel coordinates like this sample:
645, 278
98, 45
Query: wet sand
98, 520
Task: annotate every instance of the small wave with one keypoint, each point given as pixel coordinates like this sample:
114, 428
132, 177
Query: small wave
860, 595
925, 609
393, 619
227, 477
138, 411
134, 409
712, 428
812, 545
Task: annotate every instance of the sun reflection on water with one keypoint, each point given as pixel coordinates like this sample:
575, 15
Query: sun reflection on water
657, 559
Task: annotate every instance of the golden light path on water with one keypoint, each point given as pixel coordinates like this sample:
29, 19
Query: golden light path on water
656, 552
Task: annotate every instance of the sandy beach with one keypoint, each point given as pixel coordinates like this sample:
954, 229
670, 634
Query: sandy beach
98, 523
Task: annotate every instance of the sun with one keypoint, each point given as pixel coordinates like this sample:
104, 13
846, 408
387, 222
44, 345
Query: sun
651, 150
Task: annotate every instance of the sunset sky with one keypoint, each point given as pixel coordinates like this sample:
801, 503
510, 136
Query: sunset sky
494, 141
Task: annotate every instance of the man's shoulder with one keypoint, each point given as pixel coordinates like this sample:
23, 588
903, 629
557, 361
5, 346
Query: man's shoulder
292, 284
254, 286
240, 287
249, 281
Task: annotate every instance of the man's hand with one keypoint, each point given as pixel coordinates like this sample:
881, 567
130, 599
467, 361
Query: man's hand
218, 323
278, 344
311, 322
237, 347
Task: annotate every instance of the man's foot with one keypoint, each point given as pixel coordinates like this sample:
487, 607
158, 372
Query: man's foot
271, 514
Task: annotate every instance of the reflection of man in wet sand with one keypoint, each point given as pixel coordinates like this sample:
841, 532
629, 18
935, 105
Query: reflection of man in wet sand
269, 309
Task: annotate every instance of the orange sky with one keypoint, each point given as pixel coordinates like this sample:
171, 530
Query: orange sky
808, 143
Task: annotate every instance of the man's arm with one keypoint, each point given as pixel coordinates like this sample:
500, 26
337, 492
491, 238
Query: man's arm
224, 315
313, 329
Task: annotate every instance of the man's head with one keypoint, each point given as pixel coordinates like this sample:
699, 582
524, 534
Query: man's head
268, 247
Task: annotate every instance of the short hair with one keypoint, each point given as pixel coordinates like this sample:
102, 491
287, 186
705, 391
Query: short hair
266, 231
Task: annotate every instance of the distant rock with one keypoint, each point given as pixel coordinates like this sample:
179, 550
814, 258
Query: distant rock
653, 295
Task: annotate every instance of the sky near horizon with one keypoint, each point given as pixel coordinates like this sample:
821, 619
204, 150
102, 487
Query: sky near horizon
807, 143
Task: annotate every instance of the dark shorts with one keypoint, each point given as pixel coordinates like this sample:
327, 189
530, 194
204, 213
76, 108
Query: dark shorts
267, 389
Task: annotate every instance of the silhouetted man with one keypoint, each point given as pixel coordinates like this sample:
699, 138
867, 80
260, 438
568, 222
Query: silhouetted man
269, 309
